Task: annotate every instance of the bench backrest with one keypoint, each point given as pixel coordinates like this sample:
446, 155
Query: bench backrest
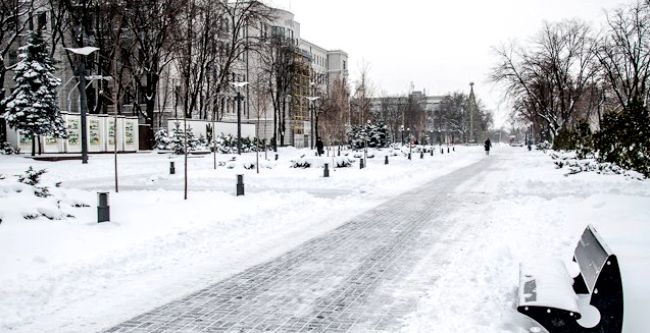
591, 254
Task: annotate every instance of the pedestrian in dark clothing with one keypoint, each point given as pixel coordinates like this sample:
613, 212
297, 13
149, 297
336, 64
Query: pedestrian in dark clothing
488, 145
319, 147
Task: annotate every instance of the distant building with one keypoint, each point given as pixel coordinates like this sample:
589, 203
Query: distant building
415, 113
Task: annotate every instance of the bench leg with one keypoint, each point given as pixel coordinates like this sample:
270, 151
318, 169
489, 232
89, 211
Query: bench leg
553, 320
607, 297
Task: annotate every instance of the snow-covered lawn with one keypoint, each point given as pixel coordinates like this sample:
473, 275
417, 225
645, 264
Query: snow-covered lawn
74, 275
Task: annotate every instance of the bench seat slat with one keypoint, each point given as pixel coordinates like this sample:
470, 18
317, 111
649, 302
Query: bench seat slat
547, 284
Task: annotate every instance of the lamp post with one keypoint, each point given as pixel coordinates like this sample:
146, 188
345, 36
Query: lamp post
401, 129
292, 139
238, 87
81, 72
311, 100
408, 131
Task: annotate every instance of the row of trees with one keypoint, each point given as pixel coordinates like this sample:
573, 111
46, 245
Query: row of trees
573, 80
449, 121
159, 53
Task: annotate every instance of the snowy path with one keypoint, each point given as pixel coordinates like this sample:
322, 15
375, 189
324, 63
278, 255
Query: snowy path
350, 279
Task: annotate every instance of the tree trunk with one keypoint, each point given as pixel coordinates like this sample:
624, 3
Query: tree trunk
33, 145
282, 122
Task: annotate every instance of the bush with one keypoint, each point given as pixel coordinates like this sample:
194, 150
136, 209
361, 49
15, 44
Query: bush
372, 135
624, 139
579, 139
301, 164
31, 177
543, 146
7, 149
227, 144
343, 162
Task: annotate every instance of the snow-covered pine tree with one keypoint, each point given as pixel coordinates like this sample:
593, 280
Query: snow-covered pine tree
162, 139
177, 143
192, 141
32, 106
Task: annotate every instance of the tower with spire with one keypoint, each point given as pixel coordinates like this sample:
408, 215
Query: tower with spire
472, 109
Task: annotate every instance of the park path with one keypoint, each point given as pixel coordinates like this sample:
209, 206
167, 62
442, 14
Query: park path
348, 280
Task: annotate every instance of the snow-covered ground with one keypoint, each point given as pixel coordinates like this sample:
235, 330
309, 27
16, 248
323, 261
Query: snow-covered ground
525, 210
74, 275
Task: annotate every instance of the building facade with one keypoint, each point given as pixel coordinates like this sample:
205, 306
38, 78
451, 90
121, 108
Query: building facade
313, 68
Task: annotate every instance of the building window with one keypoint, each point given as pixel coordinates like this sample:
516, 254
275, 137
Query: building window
42, 20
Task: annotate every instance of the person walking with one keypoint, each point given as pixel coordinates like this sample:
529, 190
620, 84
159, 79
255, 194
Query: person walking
488, 145
319, 147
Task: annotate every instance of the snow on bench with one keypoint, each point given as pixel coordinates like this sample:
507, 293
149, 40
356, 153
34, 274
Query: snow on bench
547, 284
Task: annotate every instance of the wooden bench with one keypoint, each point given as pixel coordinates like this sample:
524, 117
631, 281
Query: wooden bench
590, 302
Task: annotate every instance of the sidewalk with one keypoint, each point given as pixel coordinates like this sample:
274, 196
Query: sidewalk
343, 281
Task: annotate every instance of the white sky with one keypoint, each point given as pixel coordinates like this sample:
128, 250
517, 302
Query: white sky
440, 46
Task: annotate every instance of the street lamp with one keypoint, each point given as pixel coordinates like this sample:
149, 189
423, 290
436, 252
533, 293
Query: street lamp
81, 71
311, 100
238, 86
292, 140
408, 131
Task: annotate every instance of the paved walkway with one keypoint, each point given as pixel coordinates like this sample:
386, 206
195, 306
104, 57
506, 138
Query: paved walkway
344, 281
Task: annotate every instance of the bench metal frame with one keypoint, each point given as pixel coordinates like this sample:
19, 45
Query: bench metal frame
599, 279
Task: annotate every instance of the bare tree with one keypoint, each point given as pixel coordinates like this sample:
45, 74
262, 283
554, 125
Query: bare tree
624, 53
549, 77
280, 64
152, 25
390, 111
361, 102
335, 113
240, 16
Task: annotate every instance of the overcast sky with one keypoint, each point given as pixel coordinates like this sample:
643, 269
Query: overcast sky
440, 46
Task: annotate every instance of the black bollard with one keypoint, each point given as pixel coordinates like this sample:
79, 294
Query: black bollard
326, 172
447, 150
386, 160
453, 148
361, 165
276, 157
339, 154
442, 151
421, 155
409, 156
431, 151
103, 209
172, 169
240, 185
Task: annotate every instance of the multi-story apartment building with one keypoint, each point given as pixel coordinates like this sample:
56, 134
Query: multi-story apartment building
314, 68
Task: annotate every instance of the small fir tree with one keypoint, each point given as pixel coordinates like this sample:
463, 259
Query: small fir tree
162, 139
192, 140
177, 143
32, 107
